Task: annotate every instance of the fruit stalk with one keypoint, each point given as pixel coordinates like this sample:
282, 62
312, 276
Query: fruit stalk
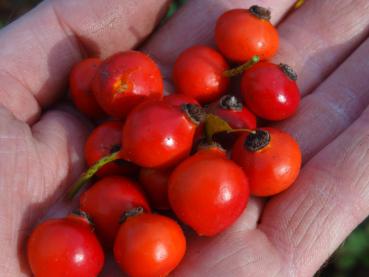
86, 176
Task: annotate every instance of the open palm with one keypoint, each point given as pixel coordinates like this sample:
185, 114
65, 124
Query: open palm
41, 140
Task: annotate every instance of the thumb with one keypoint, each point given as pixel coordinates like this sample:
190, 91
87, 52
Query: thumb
60, 136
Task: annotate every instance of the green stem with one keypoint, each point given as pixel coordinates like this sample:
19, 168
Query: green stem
86, 176
240, 69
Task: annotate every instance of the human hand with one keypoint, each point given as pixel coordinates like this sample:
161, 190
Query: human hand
293, 234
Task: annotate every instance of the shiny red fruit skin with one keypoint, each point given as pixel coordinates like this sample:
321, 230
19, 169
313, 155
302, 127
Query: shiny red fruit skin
198, 73
126, 79
155, 184
104, 140
272, 169
208, 192
178, 99
157, 135
237, 119
64, 247
149, 245
107, 200
269, 92
240, 35
80, 81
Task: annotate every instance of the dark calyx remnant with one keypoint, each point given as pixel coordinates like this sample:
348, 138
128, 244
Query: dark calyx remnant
116, 148
230, 102
130, 213
194, 112
288, 71
84, 215
260, 12
257, 141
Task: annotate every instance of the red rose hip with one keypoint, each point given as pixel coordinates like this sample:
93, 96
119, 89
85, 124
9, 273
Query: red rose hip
126, 79
103, 141
107, 200
208, 192
241, 34
270, 158
65, 247
198, 72
178, 99
158, 135
270, 90
149, 245
80, 81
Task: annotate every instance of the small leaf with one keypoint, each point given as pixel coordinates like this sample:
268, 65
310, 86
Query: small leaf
214, 125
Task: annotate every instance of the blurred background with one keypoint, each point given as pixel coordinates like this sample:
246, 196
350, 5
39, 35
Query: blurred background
352, 257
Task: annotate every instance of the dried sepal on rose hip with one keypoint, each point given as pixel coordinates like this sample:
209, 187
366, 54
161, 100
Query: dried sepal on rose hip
270, 158
148, 244
231, 109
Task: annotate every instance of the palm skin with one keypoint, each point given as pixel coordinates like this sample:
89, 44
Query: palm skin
292, 234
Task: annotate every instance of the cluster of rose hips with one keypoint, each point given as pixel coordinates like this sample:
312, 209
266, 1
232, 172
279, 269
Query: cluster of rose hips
164, 152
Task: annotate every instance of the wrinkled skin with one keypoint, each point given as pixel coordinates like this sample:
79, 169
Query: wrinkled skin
41, 140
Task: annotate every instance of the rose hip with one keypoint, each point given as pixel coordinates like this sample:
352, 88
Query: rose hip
107, 200
126, 79
63, 246
198, 72
80, 81
104, 140
270, 158
270, 90
208, 192
157, 134
241, 34
149, 245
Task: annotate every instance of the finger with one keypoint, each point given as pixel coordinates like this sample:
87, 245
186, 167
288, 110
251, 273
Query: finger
195, 23
334, 105
247, 253
60, 136
35, 61
234, 252
316, 38
15, 153
309, 221
47, 133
